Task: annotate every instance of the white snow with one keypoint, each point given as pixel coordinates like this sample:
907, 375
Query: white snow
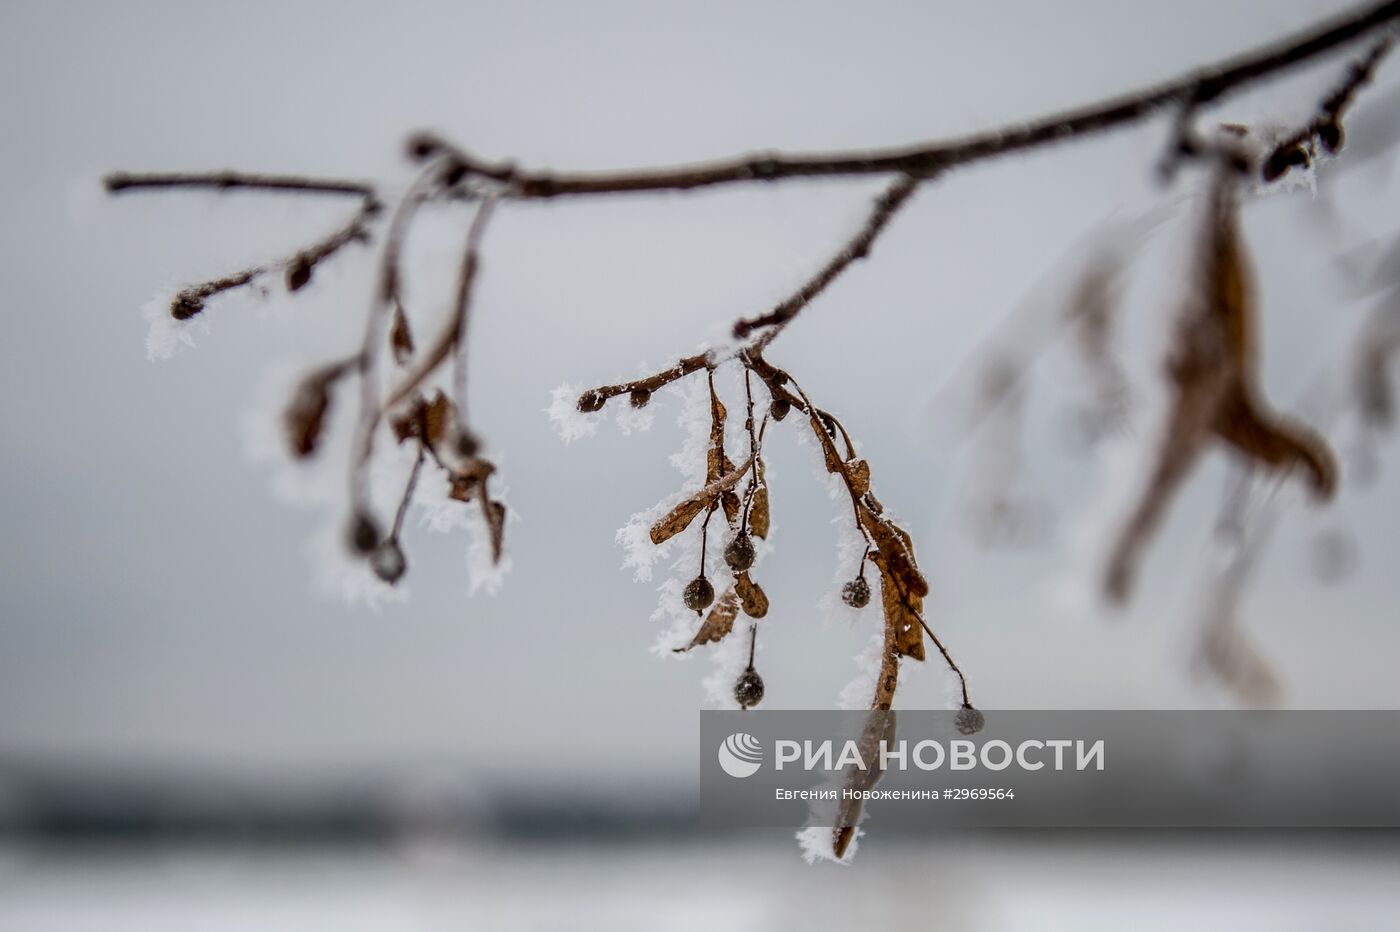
166, 336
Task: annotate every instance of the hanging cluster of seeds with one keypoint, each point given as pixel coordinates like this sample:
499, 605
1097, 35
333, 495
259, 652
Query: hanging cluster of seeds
738, 496
745, 515
428, 418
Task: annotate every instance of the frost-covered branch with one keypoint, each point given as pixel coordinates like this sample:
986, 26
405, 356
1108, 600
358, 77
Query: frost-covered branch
413, 399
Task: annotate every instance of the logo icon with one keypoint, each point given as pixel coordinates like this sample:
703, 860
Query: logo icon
740, 755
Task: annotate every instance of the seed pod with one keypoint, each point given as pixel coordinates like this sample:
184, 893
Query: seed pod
364, 533
856, 593
421, 146
1331, 136
388, 561
740, 553
698, 594
780, 408
748, 689
185, 306
467, 444
591, 400
305, 417
969, 721
298, 273
640, 397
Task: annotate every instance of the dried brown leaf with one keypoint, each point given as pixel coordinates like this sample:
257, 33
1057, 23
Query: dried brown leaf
464, 482
895, 551
716, 463
903, 611
831, 457
858, 476
495, 514
1275, 442
679, 517
718, 623
758, 513
878, 731
432, 420
1214, 370
729, 501
305, 417
400, 337
751, 596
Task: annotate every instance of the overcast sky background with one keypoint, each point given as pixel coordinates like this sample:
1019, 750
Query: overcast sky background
155, 601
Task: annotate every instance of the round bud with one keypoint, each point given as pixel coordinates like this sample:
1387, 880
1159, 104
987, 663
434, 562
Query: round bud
780, 408
740, 553
591, 400
467, 444
698, 594
640, 397
388, 561
856, 593
969, 721
298, 273
364, 533
748, 689
421, 146
185, 306
1331, 136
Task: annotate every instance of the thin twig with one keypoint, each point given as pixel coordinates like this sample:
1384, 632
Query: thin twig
1325, 128
595, 398
453, 334
385, 294
118, 182
408, 490
298, 267
858, 247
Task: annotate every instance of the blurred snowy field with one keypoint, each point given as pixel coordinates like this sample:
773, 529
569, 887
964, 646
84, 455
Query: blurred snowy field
1090, 882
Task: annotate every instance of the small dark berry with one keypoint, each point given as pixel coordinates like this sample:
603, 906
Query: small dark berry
856, 593
364, 533
592, 400
780, 409
969, 721
748, 689
421, 146
185, 306
740, 553
298, 273
1332, 137
467, 444
698, 594
640, 397
388, 562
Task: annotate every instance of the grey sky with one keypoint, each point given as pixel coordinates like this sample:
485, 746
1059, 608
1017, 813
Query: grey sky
154, 596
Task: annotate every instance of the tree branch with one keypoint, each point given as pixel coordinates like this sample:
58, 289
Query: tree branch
118, 182
858, 247
1202, 86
